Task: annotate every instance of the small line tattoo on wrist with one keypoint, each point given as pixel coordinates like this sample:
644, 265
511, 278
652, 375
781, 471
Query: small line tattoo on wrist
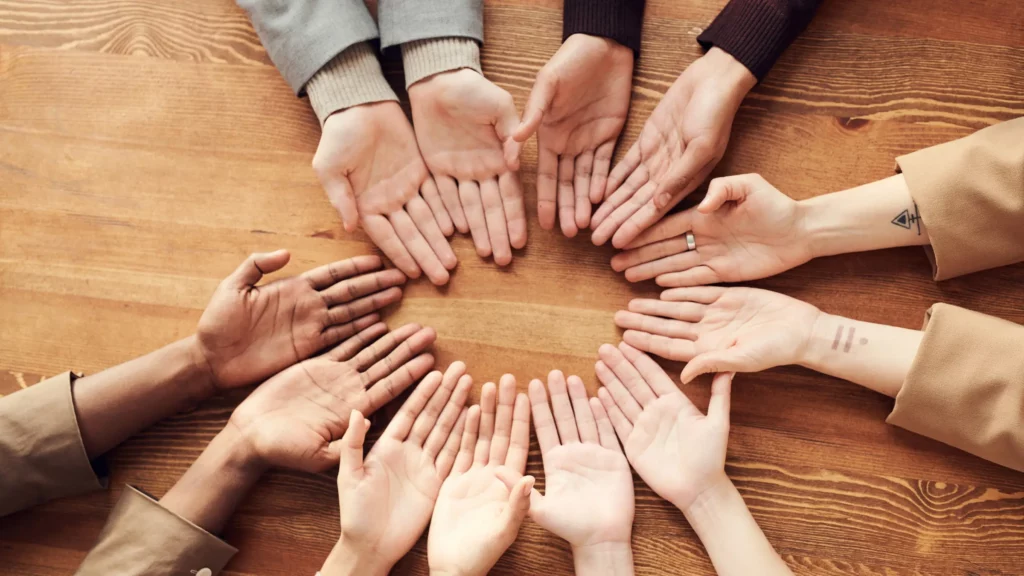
850, 333
908, 219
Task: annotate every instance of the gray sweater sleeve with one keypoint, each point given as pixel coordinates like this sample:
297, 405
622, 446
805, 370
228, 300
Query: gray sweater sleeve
403, 21
301, 36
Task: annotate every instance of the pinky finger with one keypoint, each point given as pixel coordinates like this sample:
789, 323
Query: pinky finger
619, 422
334, 334
697, 276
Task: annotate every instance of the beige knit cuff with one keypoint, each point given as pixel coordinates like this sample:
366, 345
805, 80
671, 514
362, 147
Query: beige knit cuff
351, 78
423, 58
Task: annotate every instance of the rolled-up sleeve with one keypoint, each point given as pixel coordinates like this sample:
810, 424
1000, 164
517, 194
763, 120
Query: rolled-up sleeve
966, 385
143, 538
42, 456
970, 196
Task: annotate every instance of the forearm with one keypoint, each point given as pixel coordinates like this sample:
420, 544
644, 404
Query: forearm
604, 559
210, 490
875, 356
120, 401
730, 534
874, 216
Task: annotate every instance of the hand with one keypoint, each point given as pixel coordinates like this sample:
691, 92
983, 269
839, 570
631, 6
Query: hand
248, 333
577, 108
387, 500
588, 496
680, 144
679, 452
486, 497
721, 329
464, 125
744, 229
296, 419
368, 163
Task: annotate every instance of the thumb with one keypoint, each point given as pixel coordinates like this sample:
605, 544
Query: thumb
339, 192
727, 360
350, 446
722, 190
256, 265
721, 397
541, 96
518, 504
505, 126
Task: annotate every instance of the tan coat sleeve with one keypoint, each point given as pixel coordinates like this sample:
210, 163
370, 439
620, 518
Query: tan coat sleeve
966, 385
970, 194
143, 538
41, 452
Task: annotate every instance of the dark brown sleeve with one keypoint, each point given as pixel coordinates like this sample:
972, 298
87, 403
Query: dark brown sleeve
619, 20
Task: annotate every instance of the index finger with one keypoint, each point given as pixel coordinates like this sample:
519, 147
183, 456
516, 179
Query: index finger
330, 274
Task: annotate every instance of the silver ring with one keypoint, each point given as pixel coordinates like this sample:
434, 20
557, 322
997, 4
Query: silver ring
691, 244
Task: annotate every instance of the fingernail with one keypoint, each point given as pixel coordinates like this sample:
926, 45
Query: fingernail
663, 200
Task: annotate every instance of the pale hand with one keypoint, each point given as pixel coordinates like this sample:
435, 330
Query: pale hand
373, 173
678, 451
679, 145
485, 499
744, 229
716, 329
248, 333
297, 418
464, 127
588, 494
577, 108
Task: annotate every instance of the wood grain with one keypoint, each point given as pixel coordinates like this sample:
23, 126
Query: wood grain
146, 147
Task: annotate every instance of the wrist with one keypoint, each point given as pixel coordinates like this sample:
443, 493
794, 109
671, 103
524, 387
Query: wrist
714, 504
202, 383
820, 340
732, 72
603, 558
347, 559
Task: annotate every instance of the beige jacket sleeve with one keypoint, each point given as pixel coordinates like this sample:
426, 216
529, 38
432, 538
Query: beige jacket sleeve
970, 194
966, 385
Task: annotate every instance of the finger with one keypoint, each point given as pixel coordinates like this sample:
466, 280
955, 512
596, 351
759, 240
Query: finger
488, 400
469, 193
685, 311
332, 335
505, 126
599, 175
431, 195
605, 431
659, 381
699, 294
418, 247
547, 181
519, 445
255, 266
349, 348
670, 226
561, 407
323, 277
676, 349
722, 190
450, 196
612, 224
339, 192
712, 362
423, 217
581, 187
619, 393
632, 257
627, 374
566, 196
543, 421
442, 430
351, 452
468, 442
697, 276
676, 263
623, 427
683, 175
362, 285
536, 106
518, 505
347, 312
538, 509
443, 388
511, 190
721, 395
581, 408
403, 423
389, 388
654, 325
494, 214
640, 219
445, 460
379, 229
406, 350
623, 170
503, 419
620, 196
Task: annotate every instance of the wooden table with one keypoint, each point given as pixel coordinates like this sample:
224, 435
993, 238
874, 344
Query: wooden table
147, 146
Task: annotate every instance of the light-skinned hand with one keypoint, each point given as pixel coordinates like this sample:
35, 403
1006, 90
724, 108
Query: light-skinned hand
678, 451
248, 333
744, 229
464, 127
715, 329
387, 499
679, 145
373, 173
588, 494
485, 499
577, 108
297, 418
